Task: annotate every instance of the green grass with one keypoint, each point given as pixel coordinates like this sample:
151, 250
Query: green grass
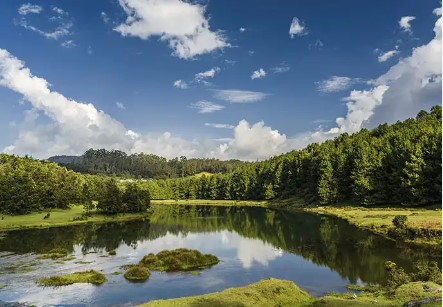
204, 202
379, 220
90, 276
268, 292
60, 217
180, 259
275, 292
83, 262
137, 273
55, 253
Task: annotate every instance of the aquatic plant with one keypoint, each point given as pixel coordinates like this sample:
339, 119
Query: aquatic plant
54, 254
90, 276
137, 273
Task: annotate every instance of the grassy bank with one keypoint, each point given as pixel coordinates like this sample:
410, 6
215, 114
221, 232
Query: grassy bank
205, 202
60, 217
379, 220
276, 292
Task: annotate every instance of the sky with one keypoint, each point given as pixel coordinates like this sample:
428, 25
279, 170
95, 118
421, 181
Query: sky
219, 79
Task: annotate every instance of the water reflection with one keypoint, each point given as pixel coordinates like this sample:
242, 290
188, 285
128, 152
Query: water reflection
320, 254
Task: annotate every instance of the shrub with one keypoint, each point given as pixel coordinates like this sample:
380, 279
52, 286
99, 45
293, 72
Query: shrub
427, 271
137, 273
400, 221
396, 275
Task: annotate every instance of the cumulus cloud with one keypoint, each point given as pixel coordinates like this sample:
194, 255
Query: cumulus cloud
242, 29
74, 126
206, 106
201, 76
437, 11
182, 24
180, 84
297, 28
384, 56
253, 142
29, 8
405, 23
239, 96
258, 74
68, 44
219, 126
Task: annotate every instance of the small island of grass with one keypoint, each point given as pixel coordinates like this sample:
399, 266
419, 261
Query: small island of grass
55, 253
137, 273
90, 276
180, 259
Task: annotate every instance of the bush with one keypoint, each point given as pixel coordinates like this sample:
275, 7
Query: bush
400, 221
137, 273
427, 271
396, 275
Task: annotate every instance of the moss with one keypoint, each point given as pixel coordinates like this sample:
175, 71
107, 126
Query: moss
112, 252
116, 273
90, 276
55, 253
137, 273
180, 259
268, 292
26, 270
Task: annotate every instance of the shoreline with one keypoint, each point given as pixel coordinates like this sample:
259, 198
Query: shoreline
375, 219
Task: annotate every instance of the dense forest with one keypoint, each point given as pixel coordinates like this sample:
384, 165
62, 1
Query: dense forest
392, 164
141, 165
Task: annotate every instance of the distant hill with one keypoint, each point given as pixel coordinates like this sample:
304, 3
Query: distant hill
65, 159
118, 163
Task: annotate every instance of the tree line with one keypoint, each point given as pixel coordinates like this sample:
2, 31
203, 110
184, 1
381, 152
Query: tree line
392, 164
141, 165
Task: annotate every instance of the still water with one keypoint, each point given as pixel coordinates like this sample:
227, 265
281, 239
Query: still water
318, 253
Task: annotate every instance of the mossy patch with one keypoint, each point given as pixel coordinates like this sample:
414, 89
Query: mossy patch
116, 273
180, 259
55, 253
137, 273
112, 252
90, 276
268, 292
83, 262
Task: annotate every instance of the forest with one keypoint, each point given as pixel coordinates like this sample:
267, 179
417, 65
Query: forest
141, 165
397, 164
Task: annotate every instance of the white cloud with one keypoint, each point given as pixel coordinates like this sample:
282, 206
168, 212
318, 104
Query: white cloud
199, 77
258, 74
219, 126
29, 8
383, 57
297, 28
239, 96
242, 29
120, 105
251, 52
182, 24
59, 32
254, 142
405, 23
180, 84
206, 106
68, 44
437, 11
74, 126
283, 67
104, 17
59, 11
89, 50
334, 84
318, 44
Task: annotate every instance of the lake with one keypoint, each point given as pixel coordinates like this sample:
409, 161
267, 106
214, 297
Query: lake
318, 253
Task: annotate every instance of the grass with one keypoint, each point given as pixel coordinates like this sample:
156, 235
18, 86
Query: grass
83, 262
276, 292
55, 253
90, 276
180, 259
379, 220
60, 217
137, 273
268, 292
201, 174
205, 202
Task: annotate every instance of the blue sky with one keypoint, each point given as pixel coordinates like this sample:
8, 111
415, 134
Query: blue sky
302, 65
